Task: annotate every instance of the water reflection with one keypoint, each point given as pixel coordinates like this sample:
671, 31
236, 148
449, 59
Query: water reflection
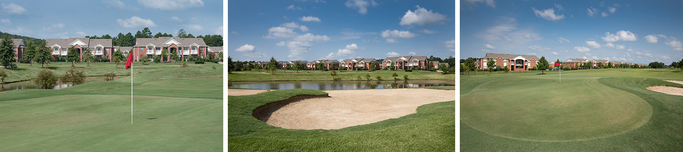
340, 85
28, 85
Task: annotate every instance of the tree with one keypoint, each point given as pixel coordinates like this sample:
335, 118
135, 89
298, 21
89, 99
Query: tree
333, 74
72, 55
74, 76
88, 56
181, 33
298, 66
30, 52
469, 63
395, 75
3, 75
272, 65
144, 59
320, 66
674, 64
609, 65
600, 65
443, 68
680, 66
230, 66
257, 67
45, 79
379, 78
506, 69
164, 54
490, 65
391, 67
43, 54
156, 58
657, 65
174, 56
542, 64
117, 57
372, 67
147, 33
6, 52
367, 76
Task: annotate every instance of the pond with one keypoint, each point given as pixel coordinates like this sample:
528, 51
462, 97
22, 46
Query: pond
340, 85
27, 85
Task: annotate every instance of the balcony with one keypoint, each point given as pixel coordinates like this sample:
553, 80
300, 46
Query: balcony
194, 51
55, 52
150, 52
98, 52
186, 52
64, 52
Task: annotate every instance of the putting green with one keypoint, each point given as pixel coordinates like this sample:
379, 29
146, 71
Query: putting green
538, 108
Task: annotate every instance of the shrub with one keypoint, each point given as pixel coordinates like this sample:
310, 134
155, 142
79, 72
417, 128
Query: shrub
432, 69
214, 67
24, 61
74, 76
409, 70
358, 77
45, 79
405, 77
109, 76
13, 66
199, 62
379, 78
3, 75
367, 77
395, 75
184, 65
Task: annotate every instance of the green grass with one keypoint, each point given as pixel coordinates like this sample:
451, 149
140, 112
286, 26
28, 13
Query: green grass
95, 116
313, 75
592, 110
430, 129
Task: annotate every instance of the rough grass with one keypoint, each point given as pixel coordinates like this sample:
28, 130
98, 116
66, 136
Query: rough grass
313, 75
95, 116
430, 129
662, 132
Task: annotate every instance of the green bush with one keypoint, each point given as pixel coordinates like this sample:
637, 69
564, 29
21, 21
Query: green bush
199, 62
13, 66
109, 76
379, 78
409, 70
24, 61
45, 80
74, 76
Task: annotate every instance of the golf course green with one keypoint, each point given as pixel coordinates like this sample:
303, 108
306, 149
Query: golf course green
176, 109
590, 110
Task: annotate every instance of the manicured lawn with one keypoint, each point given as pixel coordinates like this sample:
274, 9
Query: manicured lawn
317, 75
176, 109
430, 129
591, 110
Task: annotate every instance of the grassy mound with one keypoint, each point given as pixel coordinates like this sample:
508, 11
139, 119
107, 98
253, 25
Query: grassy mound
430, 129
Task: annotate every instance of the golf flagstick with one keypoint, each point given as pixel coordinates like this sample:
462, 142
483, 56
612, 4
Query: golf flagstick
129, 65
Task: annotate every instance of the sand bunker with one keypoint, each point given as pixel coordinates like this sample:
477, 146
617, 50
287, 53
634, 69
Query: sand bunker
674, 81
667, 89
241, 92
345, 108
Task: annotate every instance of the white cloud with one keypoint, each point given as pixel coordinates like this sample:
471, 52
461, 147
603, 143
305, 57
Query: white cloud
489, 46
292, 7
6, 22
421, 17
593, 44
298, 48
538, 48
392, 54
604, 14
429, 32
219, 31
80, 33
136, 22
290, 25
653, 38
450, 44
311, 37
612, 9
620, 47
309, 19
194, 27
673, 43
118, 4
592, 11
175, 18
562, 40
397, 33
352, 46
559, 7
548, 14
18, 30
609, 45
621, 36
595, 57
303, 28
361, 5
506, 34
411, 53
555, 53
280, 32
582, 49
255, 55
392, 40
235, 32
171, 5
281, 43
245, 48
12, 8
488, 2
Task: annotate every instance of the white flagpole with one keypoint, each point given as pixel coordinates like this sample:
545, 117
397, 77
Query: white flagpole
131, 93
560, 72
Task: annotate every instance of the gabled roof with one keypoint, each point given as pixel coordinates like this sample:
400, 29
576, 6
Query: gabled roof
576, 60
103, 42
510, 56
165, 41
392, 59
216, 49
369, 60
420, 58
330, 61
599, 61
18, 42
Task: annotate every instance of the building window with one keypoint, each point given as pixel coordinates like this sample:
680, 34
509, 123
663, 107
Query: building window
159, 49
99, 50
194, 50
186, 50
55, 50
150, 50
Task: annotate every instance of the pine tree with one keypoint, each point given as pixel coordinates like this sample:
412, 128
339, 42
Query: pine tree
6, 52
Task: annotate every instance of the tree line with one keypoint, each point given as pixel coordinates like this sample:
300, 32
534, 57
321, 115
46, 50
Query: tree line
128, 39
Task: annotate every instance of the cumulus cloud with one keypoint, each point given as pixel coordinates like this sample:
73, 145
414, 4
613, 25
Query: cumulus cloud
309, 19
392, 54
421, 17
12, 8
171, 5
136, 22
280, 32
620, 36
653, 38
612, 9
450, 45
175, 18
292, 7
281, 43
429, 32
582, 49
6, 22
390, 35
562, 40
548, 14
347, 52
391, 40
555, 53
489, 46
506, 33
488, 2
592, 11
620, 47
593, 44
295, 25
672, 42
311, 37
609, 45
361, 5
559, 7
604, 14
118, 4
298, 48
538, 48
245, 48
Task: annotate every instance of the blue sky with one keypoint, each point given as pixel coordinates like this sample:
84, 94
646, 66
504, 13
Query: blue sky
623, 30
78, 18
339, 29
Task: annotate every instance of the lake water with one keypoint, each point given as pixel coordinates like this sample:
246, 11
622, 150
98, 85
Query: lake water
340, 85
27, 85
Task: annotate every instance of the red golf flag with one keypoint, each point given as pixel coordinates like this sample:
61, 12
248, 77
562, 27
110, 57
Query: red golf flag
557, 64
130, 60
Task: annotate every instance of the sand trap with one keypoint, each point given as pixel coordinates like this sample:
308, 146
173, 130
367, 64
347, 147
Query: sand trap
345, 108
241, 92
667, 89
674, 81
